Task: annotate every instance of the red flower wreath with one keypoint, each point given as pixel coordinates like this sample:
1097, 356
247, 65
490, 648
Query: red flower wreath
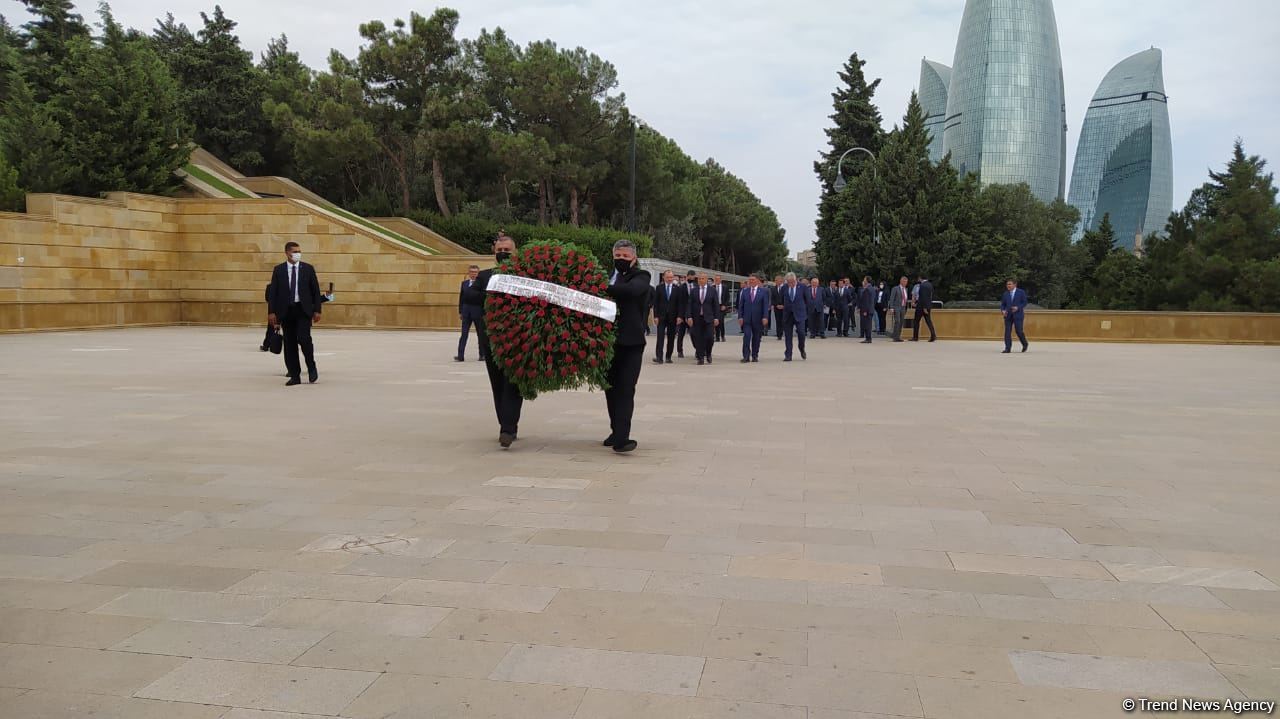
543, 347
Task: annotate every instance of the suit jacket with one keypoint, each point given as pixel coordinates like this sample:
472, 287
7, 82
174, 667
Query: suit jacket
926, 295
816, 304
775, 296
898, 297
1018, 300
668, 309
465, 309
867, 300
754, 313
799, 306
279, 300
882, 298
631, 292
704, 312
722, 300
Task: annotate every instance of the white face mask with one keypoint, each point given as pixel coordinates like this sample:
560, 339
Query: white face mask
296, 257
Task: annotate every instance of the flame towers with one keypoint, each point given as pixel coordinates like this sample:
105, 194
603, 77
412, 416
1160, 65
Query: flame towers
1124, 162
1006, 109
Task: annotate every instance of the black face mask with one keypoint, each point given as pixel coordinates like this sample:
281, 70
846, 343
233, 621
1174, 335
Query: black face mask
622, 266
502, 255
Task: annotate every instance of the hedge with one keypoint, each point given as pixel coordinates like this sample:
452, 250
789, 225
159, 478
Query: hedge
477, 234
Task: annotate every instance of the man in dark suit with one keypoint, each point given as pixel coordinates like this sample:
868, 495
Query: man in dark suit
753, 317
690, 282
507, 401
629, 287
866, 307
775, 299
668, 315
1013, 305
294, 304
796, 313
924, 311
722, 305
818, 304
882, 305
702, 315
845, 300
899, 298
469, 314
833, 307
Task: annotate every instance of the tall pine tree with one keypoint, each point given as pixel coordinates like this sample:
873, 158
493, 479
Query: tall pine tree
46, 40
856, 123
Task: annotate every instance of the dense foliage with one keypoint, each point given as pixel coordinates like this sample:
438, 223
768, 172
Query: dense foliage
418, 120
903, 215
477, 234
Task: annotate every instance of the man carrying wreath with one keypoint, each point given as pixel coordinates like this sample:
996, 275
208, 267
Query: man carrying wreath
507, 400
629, 288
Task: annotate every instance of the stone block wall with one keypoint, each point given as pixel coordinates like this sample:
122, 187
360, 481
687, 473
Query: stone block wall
74, 262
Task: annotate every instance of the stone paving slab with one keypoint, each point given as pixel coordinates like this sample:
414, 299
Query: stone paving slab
930, 530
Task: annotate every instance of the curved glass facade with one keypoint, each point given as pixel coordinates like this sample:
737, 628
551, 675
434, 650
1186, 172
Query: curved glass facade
935, 79
1006, 108
1124, 162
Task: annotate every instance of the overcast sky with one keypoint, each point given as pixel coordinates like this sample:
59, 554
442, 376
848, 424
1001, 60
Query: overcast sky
748, 82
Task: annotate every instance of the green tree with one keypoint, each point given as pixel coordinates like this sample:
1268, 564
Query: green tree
677, 240
46, 40
12, 197
856, 123
1040, 235
222, 90
30, 138
121, 115
1120, 281
289, 84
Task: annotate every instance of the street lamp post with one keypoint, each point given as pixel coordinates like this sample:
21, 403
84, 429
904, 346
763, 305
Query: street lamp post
840, 184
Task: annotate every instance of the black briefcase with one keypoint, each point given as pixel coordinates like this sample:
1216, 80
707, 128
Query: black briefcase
276, 342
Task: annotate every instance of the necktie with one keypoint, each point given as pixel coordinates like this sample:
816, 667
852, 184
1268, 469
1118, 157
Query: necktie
668, 292
753, 294
702, 296
293, 283
815, 293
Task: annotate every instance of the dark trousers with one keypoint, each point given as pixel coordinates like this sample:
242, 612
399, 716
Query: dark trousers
467, 321
621, 395
880, 315
719, 330
866, 325
667, 329
704, 337
846, 320
507, 401
681, 330
297, 333
777, 322
796, 325
752, 333
915, 324
816, 328
1014, 323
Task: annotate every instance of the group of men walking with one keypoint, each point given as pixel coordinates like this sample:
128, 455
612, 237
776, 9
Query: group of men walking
696, 308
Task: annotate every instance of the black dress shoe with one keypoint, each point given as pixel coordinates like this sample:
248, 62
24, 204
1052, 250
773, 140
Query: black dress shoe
505, 439
312, 376
786, 359
680, 355
292, 381
803, 356
700, 362
744, 360
1024, 348
933, 339
264, 348
608, 441
866, 342
708, 360
755, 359
1004, 352
668, 360
626, 446
657, 360
899, 340
460, 358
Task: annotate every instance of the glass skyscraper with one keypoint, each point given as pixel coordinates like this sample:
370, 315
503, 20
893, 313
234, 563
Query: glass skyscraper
1006, 108
1124, 162
935, 79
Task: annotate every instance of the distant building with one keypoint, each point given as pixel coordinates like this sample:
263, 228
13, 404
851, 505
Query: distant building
935, 78
808, 258
1006, 107
1124, 162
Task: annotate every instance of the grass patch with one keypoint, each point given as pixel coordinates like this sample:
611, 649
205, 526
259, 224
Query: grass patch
214, 182
379, 229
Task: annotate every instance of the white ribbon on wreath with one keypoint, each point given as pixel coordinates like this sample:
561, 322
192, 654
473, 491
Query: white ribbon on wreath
559, 295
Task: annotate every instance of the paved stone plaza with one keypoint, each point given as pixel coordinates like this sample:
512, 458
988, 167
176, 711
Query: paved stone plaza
919, 530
